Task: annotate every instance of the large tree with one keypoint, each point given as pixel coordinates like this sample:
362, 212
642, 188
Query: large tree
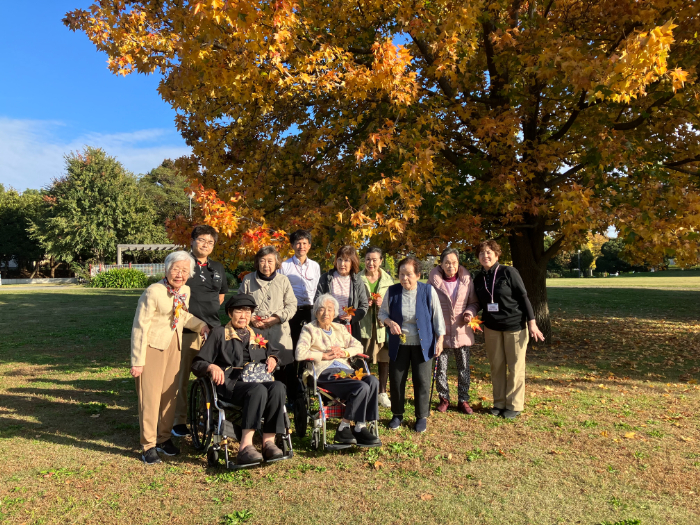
17, 210
93, 207
421, 124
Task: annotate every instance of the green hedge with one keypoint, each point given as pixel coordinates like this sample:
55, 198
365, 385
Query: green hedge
120, 278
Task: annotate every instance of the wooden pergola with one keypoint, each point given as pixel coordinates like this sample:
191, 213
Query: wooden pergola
121, 248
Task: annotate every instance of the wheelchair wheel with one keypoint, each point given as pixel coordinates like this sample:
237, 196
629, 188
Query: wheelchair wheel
316, 439
201, 414
212, 457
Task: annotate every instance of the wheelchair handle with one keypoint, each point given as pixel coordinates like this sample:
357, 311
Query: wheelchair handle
363, 356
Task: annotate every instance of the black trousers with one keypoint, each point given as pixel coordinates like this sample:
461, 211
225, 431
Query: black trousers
289, 374
360, 397
422, 374
259, 400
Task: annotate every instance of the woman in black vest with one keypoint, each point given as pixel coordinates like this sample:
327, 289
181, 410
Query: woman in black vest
411, 310
343, 283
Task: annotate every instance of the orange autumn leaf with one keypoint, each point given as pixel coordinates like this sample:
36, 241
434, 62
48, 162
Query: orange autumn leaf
260, 341
474, 324
359, 374
349, 310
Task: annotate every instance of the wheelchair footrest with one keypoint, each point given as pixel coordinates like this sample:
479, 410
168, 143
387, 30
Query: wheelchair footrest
338, 446
232, 465
368, 446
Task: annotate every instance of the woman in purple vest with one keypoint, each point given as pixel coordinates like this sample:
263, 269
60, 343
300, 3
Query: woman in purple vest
411, 310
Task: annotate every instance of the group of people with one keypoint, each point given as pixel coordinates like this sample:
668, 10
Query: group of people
289, 312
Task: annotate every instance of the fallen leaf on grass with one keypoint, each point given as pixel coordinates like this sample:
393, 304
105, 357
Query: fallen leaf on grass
604, 433
426, 497
378, 465
687, 440
630, 435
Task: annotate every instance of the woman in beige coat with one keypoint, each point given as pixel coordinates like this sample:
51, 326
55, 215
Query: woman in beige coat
277, 304
156, 336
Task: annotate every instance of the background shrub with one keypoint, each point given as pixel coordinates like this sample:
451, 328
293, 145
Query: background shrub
120, 278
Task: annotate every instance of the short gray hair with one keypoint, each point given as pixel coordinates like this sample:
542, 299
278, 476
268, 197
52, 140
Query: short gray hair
322, 300
180, 255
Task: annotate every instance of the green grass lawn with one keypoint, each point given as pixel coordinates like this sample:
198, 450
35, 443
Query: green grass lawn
610, 433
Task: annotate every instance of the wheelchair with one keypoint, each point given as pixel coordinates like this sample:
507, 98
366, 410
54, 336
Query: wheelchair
316, 405
212, 431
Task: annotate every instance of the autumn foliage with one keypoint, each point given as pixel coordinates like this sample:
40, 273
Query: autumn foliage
422, 124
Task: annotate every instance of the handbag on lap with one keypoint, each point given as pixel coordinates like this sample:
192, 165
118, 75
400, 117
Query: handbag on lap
255, 373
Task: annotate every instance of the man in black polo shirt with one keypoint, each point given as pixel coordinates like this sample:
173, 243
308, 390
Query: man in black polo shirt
208, 287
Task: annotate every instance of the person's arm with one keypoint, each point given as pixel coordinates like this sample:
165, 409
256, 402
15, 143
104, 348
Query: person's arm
519, 292
438, 319
351, 345
383, 316
304, 351
206, 355
362, 300
473, 305
289, 302
145, 310
221, 298
195, 324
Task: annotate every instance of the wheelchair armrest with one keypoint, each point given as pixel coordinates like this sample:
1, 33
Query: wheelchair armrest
363, 356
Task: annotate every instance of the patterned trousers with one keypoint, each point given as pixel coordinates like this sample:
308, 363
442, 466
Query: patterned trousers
463, 375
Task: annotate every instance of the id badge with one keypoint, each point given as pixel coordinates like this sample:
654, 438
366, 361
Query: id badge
492, 307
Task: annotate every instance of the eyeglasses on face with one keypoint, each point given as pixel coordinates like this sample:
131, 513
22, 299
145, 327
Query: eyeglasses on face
204, 242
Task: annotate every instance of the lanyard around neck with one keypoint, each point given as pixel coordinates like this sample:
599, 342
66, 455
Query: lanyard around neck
493, 285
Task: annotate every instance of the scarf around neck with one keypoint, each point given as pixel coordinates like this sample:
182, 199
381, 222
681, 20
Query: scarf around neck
179, 303
263, 278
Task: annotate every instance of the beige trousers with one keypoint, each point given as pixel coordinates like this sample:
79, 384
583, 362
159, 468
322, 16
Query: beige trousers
157, 390
191, 344
506, 353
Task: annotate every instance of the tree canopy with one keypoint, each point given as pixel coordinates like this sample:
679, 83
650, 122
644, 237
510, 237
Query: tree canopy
422, 124
17, 210
93, 207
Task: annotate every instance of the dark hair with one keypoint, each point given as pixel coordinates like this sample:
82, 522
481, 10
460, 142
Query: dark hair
375, 249
349, 252
299, 235
449, 251
268, 250
491, 244
204, 229
412, 261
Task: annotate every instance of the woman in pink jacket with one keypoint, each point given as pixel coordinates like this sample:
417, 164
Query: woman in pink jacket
459, 304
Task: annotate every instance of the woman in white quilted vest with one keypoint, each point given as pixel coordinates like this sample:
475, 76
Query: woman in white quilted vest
459, 305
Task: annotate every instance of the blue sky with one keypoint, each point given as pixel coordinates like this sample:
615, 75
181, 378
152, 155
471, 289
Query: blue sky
57, 96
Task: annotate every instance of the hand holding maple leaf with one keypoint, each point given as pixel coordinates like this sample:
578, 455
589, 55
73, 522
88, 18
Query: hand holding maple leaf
349, 310
474, 324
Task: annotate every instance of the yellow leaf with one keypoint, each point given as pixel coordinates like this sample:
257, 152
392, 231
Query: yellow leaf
630, 435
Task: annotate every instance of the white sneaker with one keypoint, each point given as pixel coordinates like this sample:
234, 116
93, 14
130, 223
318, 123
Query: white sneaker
383, 400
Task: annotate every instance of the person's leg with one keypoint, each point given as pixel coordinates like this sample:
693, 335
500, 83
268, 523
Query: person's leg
398, 374
351, 391
441, 385
273, 412
252, 398
371, 405
383, 376
191, 344
463, 373
149, 387
494, 350
168, 398
422, 373
515, 344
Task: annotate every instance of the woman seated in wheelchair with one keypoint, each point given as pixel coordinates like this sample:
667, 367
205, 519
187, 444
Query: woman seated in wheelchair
330, 345
229, 357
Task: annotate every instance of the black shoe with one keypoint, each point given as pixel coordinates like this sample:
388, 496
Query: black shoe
345, 437
248, 456
510, 414
180, 430
365, 437
272, 452
150, 457
496, 411
168, 448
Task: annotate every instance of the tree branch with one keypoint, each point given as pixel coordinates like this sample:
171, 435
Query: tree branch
632, 124
572, 118
562, 177
553, 249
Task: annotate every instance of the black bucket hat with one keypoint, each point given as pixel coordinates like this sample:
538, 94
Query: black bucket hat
240, 300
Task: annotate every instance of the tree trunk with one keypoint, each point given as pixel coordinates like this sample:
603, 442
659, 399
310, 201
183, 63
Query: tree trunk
527, 251
36, 269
